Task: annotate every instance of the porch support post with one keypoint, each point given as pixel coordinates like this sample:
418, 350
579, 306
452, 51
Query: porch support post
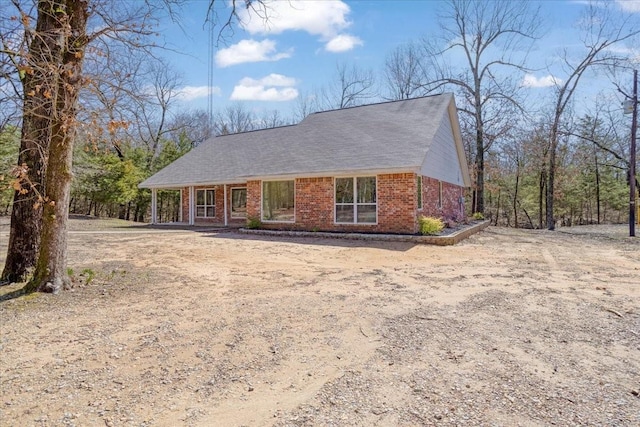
181, 205
191, 204
154, 206
225, 205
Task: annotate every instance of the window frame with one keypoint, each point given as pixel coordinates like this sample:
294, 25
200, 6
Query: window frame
206, 205
262, 218
355, 202
235, 215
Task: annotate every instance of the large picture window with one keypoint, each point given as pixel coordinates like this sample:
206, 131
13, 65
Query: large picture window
238, 203
278, 201
356, 200
205, 203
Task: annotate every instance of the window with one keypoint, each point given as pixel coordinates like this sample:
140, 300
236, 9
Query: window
238, 203
439, 194
205, 203
278, 201
419, 190
356, 200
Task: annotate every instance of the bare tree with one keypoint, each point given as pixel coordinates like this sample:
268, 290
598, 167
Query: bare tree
48, 61
11, 39
38, 74
234, 119
193, 125
271, 119
109, 97
350, 87
157, 88
69, 19
306, 103
403, 72
493, 37
49, 65
602, 30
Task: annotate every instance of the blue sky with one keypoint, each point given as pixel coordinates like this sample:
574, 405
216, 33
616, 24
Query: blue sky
267, 67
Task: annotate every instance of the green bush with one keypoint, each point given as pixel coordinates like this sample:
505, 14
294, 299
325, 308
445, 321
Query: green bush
253, 223
430, 226
478, 216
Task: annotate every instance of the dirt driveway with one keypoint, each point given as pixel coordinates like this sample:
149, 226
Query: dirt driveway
510, 327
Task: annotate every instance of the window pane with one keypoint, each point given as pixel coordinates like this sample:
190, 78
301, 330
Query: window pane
367, 189
344, 213
199, 197
200, 211
344, 190
238, 202
211, 211
278, 200
367, 213
211, 197
419, 192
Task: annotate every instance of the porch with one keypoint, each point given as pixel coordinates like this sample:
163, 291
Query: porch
219, 205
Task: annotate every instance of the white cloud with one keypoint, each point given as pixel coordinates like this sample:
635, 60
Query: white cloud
274, 87
326, 19
343, 43
532, 81
632, 6
632, 53
249, 51
189, 93
270, 80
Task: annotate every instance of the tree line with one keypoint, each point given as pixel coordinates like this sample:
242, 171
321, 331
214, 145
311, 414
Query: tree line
101, 95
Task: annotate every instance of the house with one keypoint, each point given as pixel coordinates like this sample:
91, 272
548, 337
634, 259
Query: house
375, 168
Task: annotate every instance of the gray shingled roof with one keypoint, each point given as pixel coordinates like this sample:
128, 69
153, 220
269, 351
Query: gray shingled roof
386, 136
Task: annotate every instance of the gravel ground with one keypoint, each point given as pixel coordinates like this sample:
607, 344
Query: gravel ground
507, 328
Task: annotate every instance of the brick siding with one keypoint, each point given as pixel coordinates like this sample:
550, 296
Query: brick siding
219, 203
450, 208
397, 204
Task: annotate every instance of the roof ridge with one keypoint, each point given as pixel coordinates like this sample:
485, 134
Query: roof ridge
256, 130
381, 103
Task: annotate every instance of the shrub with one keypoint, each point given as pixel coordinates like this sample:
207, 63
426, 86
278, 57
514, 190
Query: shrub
253, 223
430, 225
478, 216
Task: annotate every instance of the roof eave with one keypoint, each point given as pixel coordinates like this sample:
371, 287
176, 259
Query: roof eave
334, 173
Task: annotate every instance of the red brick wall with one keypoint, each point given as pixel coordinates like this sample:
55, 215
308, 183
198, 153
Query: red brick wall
396, 201
254, 198
397, 204
219, 217
451, 194
314, 203
185, 204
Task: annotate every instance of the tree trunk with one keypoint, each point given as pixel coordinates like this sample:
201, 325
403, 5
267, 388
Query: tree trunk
498, 208
50, 274
515, 200
39, 83
597, 187
551, 173
542, 185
